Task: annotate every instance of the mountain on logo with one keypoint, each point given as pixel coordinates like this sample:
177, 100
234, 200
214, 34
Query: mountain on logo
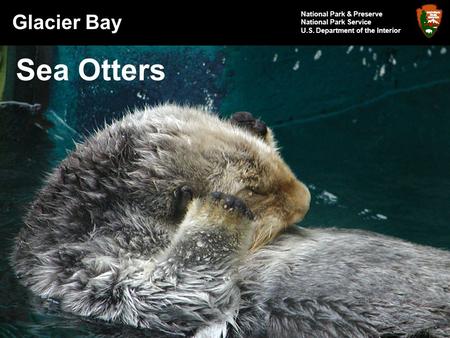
429, 18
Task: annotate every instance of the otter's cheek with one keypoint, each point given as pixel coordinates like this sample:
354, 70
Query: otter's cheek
266, 228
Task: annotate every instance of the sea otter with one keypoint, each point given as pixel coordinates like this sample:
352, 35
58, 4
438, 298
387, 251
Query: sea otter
176, 220
106, 235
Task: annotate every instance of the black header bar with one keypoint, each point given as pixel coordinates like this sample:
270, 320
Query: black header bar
312, 22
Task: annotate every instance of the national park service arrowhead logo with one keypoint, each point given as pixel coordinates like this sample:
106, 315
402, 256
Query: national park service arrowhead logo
429, 18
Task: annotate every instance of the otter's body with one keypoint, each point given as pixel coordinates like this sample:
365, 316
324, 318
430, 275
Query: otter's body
148, 223
345, 283
126, 229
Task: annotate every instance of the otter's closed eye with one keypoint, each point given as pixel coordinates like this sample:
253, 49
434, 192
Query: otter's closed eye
250, 191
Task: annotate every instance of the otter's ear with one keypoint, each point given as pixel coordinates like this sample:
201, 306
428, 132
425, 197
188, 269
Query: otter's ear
247, 121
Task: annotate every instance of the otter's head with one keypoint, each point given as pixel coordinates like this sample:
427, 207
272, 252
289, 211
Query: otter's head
238, 156
256, 173
276, 197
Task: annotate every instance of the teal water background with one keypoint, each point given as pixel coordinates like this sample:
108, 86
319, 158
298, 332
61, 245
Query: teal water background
367, 128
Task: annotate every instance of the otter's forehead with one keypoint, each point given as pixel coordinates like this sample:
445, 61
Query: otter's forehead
199, 128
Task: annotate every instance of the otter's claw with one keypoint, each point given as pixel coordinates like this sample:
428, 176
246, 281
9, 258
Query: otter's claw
232, 204
182, 196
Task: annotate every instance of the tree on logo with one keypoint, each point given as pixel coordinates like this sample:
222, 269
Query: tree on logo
427, 27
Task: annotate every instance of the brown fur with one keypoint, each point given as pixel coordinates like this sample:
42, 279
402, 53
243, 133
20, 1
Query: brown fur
280, 200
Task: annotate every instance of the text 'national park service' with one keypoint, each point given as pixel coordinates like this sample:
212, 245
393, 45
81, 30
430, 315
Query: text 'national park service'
344, 22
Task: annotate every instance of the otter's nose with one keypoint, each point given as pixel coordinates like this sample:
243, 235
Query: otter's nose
305, 197
299, 201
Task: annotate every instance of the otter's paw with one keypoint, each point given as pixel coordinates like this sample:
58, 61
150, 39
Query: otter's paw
218, 210
182, 197
231, 204
247, 121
